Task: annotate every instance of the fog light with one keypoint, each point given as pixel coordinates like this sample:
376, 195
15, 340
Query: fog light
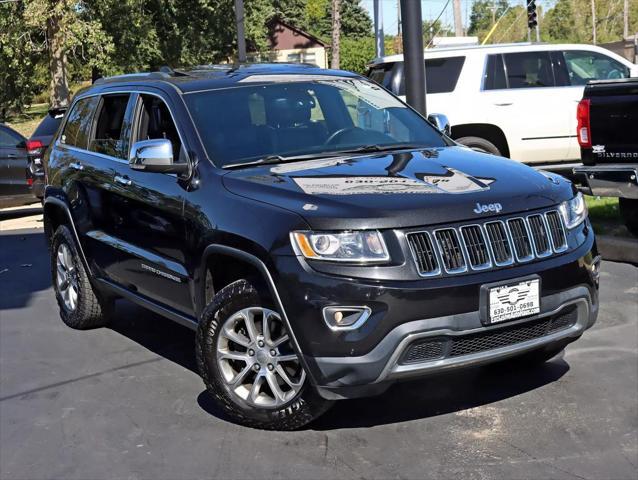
345, 318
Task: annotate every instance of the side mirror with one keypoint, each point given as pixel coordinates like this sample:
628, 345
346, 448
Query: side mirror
155, 156
441, 122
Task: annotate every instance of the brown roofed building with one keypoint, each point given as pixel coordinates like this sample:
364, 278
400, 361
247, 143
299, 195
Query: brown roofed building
290, 44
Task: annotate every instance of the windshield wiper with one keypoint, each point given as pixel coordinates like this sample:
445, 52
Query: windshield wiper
273, 159
382, 148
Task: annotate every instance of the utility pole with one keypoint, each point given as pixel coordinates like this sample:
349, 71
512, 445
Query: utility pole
593, 21
378, 30
399, 39
241, 36
414, 66
336, 33
458, 19
625, 30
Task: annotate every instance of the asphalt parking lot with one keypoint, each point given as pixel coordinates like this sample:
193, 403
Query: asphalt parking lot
126, 402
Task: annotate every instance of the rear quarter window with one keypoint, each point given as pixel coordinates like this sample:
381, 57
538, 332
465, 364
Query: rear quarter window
78, 125
441, 75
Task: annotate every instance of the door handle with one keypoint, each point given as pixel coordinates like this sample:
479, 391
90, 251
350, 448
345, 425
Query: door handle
506, 104
12, 155
123, 181
76, 166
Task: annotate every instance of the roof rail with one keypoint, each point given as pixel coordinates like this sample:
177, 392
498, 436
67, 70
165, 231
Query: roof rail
163, 73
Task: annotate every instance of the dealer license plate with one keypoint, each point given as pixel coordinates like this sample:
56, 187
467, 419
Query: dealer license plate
514, 301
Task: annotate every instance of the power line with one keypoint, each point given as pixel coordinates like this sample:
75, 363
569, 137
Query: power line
437, 19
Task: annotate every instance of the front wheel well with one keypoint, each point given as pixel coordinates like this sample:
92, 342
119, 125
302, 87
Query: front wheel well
223, 269
487, 131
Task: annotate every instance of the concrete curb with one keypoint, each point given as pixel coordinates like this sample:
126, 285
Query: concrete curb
618, 249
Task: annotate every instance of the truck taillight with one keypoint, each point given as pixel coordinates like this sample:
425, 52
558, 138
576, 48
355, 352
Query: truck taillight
584, 127
34, 147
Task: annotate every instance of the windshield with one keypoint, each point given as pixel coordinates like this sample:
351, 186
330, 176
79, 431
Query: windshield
249, 123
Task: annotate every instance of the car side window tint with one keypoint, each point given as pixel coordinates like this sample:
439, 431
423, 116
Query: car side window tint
110, 136
584, 66
529, 70
8, 139
155, 122
494, 77
442, 74
78, 124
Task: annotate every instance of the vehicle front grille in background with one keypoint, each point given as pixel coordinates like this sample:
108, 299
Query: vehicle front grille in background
489, 245
450, 247
423, 252
476, 246
436, 348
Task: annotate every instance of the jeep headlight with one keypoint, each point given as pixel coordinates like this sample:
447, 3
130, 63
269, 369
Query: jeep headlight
574, 211
360, 246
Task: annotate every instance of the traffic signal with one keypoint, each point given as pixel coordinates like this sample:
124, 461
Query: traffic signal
532, 17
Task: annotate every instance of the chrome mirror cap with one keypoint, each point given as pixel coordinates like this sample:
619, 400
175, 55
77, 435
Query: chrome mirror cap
441, 122
149, 153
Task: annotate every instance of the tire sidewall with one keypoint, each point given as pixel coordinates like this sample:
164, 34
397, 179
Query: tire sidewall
478, 142
295, 413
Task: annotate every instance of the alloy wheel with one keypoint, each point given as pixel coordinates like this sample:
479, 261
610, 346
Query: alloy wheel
256, 358
67, 277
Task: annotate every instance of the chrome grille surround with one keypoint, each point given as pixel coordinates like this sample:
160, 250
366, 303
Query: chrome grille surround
487, 245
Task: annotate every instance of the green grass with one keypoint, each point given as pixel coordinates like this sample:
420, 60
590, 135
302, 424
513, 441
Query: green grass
26, 122
605, 216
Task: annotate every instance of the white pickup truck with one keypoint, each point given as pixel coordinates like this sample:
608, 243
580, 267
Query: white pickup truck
515, 100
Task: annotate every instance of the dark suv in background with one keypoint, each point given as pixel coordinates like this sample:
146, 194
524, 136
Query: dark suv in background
322, 238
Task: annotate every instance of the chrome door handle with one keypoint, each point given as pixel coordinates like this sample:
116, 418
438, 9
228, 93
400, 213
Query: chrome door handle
76, 166
123, 181
12, 155
506, 104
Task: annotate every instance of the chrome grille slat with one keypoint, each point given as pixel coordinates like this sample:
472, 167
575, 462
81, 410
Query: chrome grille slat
451, 251
476, 247
499, 243
556, 231
540, 235
424, 253
521, 239
495, 243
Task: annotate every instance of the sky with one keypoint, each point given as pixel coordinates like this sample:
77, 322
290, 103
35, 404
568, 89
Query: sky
431, 9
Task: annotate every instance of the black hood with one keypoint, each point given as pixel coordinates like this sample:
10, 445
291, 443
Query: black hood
400, 189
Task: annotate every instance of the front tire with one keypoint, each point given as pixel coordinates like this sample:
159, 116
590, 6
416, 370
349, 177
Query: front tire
80, 306
245, 357
480, 145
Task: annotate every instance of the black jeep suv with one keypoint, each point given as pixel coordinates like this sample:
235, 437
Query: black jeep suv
322, 238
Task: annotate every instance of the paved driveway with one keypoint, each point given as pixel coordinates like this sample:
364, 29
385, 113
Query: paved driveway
125, 402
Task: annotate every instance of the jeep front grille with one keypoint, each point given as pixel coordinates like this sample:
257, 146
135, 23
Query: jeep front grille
487, 245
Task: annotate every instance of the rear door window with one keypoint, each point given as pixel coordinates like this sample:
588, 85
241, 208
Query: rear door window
78, 125
111, 136
494, 78
583, 66
529, 70
442, 74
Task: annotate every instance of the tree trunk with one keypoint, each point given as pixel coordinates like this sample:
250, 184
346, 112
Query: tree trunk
593, 21
60, 95
625, 29
336, 32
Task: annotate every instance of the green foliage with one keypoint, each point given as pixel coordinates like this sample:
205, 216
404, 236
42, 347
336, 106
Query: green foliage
356, 53
483, 15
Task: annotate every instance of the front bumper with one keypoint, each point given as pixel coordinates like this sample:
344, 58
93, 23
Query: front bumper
366, 360
456, 341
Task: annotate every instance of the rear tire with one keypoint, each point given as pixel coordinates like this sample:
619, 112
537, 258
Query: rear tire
239, 362
80, 306
629, 213
480, 145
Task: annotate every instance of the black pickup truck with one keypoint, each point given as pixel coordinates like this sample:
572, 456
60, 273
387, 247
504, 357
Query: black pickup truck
608, 138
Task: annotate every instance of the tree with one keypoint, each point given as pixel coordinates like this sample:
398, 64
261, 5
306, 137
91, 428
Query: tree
336, 32
70, 32
484, 14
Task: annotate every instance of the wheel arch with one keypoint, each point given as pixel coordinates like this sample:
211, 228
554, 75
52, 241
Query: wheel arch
245, 262
487, 131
